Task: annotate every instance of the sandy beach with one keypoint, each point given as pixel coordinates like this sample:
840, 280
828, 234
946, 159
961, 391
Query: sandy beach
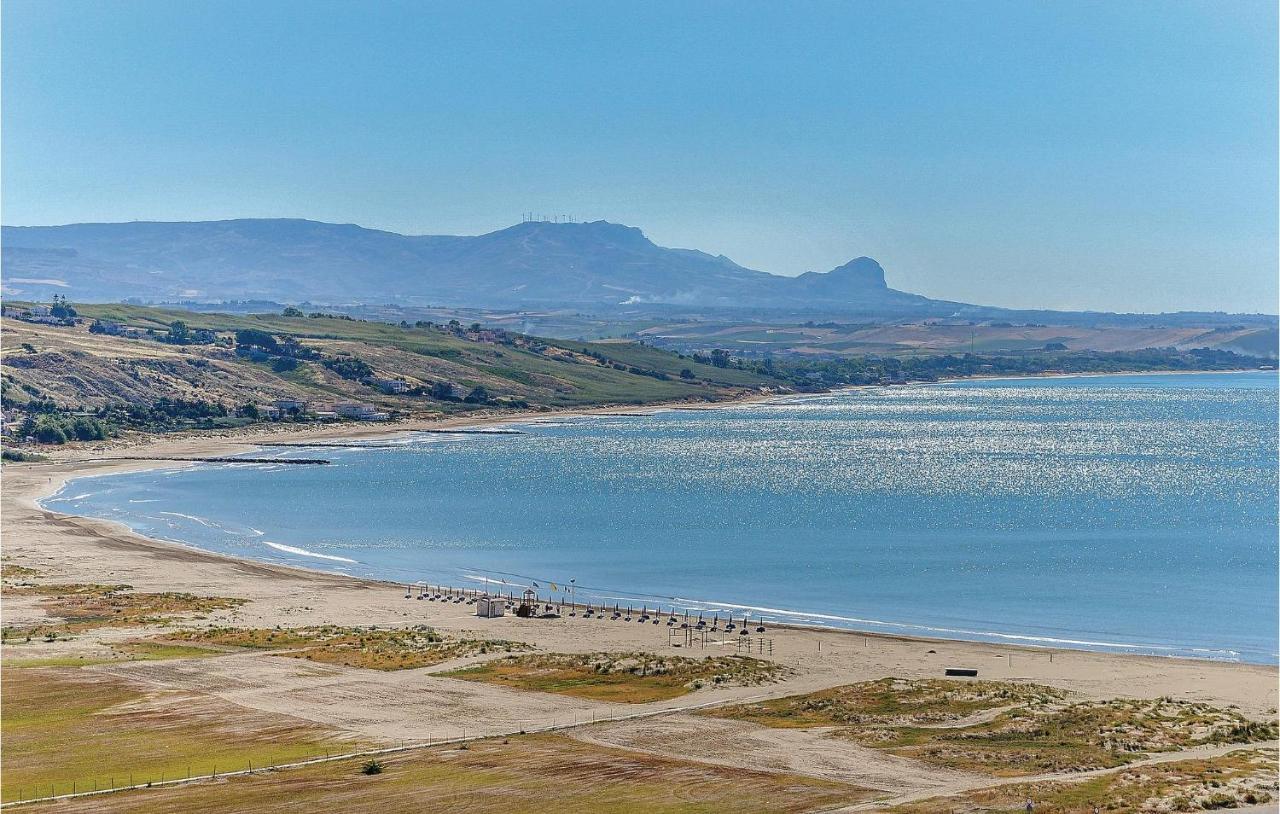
413, 705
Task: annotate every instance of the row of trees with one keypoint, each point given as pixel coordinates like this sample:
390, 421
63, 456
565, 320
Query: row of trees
814, 374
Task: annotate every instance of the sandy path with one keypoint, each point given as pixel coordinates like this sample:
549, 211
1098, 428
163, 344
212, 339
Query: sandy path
742, 744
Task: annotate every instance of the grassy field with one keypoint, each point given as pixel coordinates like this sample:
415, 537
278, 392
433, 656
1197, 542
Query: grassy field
528, 773
77, 725
631, 678
1243, 778
369, 648
82, 607
76, 368
1028, 729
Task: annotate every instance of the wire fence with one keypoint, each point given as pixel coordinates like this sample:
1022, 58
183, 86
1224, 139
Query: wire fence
48, 790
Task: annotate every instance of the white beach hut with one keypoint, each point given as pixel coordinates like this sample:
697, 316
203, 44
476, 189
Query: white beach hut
489, 606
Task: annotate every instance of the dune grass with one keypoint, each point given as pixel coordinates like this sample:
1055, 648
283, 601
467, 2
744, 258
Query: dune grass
888, 701
630, 678
365, 647
497, 776
1242, 778
1030, 729
11, 570
82, 607
75, 725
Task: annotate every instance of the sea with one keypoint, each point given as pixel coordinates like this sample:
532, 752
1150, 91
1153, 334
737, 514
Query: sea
1121, 513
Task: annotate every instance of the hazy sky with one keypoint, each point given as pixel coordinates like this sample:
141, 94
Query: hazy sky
1110, 155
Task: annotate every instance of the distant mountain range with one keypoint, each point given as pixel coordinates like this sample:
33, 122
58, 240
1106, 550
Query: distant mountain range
597, 265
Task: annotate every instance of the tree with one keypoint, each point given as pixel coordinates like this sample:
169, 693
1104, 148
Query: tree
478, 395
61, 308
178, 333
686, 373
443, 391
88, 429
290, 311
720, 358
251, 337
250, 410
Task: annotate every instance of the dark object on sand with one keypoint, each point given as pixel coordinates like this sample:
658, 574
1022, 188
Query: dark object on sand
962, 671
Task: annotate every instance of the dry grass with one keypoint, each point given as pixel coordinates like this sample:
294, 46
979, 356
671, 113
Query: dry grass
125, 651
370, 648
82, 607
1247, 777
633, 678
65, 725
1030, 730
531, 773
10, 570
889, 702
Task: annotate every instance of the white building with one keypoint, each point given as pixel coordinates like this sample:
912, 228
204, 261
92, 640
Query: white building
490, 606
359, 411
392, 385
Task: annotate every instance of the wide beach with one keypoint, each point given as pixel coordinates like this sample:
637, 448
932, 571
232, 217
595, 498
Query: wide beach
407, 706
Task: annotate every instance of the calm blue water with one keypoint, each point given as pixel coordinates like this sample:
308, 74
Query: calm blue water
1134, 512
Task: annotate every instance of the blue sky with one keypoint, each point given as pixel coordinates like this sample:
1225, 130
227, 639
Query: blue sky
1110, 155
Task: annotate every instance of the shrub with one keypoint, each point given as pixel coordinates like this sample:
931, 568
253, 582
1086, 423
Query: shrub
371, 767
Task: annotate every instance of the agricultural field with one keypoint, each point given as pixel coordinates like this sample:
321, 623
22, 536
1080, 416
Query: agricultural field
932, 337
632, 678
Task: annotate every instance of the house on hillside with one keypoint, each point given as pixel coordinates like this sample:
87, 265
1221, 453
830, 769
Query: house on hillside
290, 405
392, 386
359, 411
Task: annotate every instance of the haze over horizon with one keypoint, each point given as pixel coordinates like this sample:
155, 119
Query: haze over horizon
1069, 157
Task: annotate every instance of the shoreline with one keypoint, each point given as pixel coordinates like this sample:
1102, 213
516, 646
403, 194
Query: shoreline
681, 606
263, 434
76, 469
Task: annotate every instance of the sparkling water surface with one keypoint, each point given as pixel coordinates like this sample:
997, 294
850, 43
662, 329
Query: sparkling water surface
1117, 512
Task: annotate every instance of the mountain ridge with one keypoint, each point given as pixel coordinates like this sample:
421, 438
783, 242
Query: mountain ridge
596, 264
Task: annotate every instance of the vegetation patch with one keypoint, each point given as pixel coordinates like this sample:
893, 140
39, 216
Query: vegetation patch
1030, 729
1243, 778
13, 571
889, 702
368, 647
18, 456
633, 678
82, 607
